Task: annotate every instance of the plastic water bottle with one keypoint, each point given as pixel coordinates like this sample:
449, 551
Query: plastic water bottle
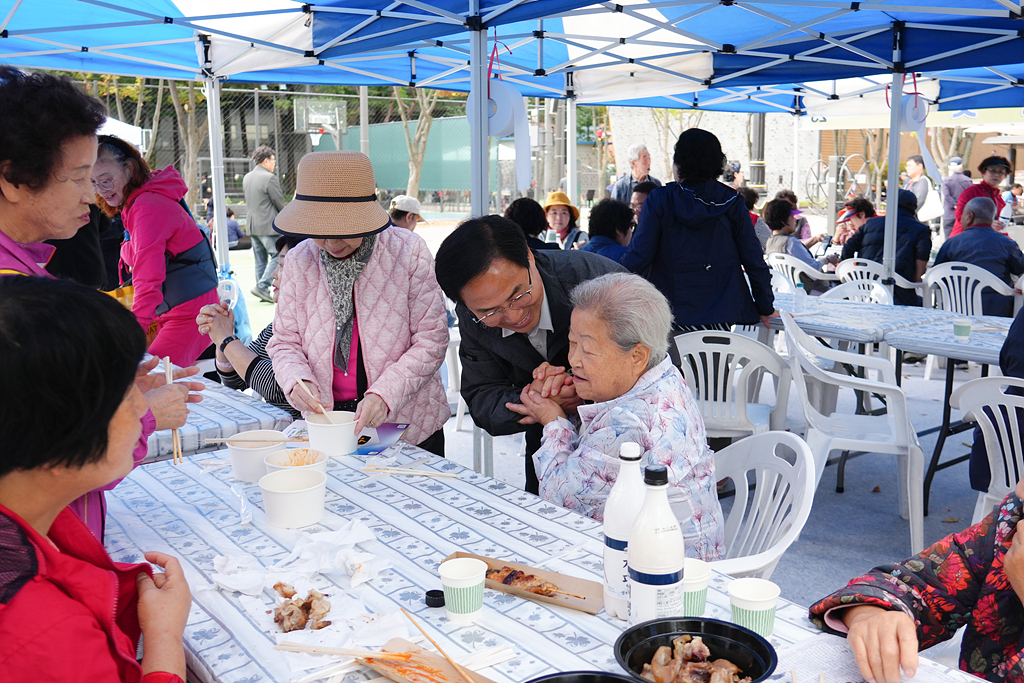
656, 554
799, 299
620, 510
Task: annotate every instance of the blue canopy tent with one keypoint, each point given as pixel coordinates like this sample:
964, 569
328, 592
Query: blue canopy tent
997, 86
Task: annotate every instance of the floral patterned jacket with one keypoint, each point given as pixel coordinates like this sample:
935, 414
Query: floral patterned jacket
577, 469
959, 580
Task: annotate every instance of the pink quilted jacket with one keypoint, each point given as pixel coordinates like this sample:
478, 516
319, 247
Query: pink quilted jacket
402, 329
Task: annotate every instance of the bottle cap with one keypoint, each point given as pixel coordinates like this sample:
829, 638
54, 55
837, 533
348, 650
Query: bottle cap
435, 598
629, 451
656, 475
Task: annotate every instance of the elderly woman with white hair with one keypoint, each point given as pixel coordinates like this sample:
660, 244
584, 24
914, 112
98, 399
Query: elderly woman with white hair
618, 343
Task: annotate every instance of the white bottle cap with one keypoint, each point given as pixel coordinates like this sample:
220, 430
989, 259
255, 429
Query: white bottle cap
629, 451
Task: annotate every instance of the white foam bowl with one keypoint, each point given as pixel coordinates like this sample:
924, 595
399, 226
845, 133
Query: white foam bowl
293, 498
278, 460
333, 439
247, 458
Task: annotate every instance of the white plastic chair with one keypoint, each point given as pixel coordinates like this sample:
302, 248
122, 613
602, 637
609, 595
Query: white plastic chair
864, 269
888, 433
870, 291
987, 402
781, 283
793, 268
724, 370
773, 500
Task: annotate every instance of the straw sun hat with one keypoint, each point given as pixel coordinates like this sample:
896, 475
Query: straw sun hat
561, 199
335, 198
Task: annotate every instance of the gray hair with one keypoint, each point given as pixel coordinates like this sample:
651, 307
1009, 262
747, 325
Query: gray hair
635, 150
634, 310
983, 208
262, 153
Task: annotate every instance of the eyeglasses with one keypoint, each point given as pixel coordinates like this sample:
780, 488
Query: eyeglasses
521, 301
106, 185
997, 171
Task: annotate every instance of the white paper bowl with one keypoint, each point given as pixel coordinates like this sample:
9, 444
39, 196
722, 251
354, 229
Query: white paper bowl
247, 458
278, 460
294, 498
333, 439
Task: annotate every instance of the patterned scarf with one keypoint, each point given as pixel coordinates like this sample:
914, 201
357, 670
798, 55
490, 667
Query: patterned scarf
342, 274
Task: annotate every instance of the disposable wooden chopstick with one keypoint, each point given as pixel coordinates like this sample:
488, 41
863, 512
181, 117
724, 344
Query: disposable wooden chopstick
462, 672
310, 394
400, 470
175, 436
341, 651
239, 439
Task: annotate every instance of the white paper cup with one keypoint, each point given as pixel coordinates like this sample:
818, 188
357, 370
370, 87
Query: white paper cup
278, 460
294, 498
333, 439
247, 458
962, 330
753, 604
696, 576
463, 583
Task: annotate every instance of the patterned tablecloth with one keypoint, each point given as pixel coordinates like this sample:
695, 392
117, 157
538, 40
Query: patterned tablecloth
854, 321
417, 523
223, 412
988, 333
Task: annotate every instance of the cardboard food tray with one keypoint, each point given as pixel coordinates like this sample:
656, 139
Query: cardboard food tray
592, 591
423, 667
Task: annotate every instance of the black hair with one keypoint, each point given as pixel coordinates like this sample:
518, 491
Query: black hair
473, 246
398, 214
610, 218
788, 195
291, 241
1016, 185
646, 187
40, 112
750, 197
68, 356
917, 159
528, 215
861, 204
776, 213
262, 153
698, 156
230, 212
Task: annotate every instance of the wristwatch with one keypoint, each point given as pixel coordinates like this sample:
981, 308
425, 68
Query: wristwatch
224, 344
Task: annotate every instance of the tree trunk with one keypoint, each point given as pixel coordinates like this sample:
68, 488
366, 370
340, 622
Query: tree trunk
192, 136
137, 121
416, 142
151, 152
117, 100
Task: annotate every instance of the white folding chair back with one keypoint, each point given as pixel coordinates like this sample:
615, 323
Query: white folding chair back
793, 268
1000, 415
781, 283
724, 371
957, 286
865, 269
888, 433
773, 499
870, 291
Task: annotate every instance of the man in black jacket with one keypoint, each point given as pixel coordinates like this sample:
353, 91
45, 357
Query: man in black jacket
513, 308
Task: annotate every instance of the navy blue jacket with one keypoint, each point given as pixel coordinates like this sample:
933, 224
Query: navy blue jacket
982, 246
623, 189
694, 242
913, 243
605, 246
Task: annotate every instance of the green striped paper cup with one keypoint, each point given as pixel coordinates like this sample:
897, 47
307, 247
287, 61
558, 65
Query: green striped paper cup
696, 576
463, 582
753, 604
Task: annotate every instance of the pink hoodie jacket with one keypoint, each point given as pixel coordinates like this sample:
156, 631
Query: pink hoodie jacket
403, 331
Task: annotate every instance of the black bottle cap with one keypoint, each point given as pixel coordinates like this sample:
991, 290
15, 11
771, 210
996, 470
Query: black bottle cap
435, 598
656, 475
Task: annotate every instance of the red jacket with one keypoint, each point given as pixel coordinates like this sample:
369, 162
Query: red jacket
981, 189
67, 613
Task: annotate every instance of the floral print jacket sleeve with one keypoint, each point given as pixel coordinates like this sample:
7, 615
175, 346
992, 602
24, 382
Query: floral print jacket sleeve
958, 580
577, 468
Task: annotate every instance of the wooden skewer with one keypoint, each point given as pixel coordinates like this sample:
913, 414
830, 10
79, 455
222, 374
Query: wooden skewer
320, 408
175, 436
238, 439
573, 595
792, 674
462, 672
342, 651
399, 470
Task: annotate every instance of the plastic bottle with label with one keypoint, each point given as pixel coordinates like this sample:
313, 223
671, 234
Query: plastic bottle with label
620, 510
656, 554
799, 299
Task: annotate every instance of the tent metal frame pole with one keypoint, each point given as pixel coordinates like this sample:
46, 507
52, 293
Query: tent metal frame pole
570, 141
478, 139
364, 120
892, 193
216, 128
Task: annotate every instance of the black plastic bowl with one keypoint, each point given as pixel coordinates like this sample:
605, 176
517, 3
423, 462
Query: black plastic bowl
583, 677
754, 655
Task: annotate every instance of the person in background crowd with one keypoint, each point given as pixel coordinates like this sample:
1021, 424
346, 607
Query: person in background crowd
979, 244
639, 171
70, 351
855, 214
952, 187
171, 261
513, 308
697, 241
803, 228
733, 175
530, 216
781, 218
406, 212
80, 257
993, 169
1012, 199
244, 366
917, 182
619, 339
611, 228
640, 193
264, 200
913, 246
562, 217
750, 197
234, 230
361, 322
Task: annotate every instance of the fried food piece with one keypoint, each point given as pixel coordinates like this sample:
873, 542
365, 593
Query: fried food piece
317, 625
317, 609
284, 590
523, 581
664, 666
724, 671
691, 649
689, 661
293, 615
290, 615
